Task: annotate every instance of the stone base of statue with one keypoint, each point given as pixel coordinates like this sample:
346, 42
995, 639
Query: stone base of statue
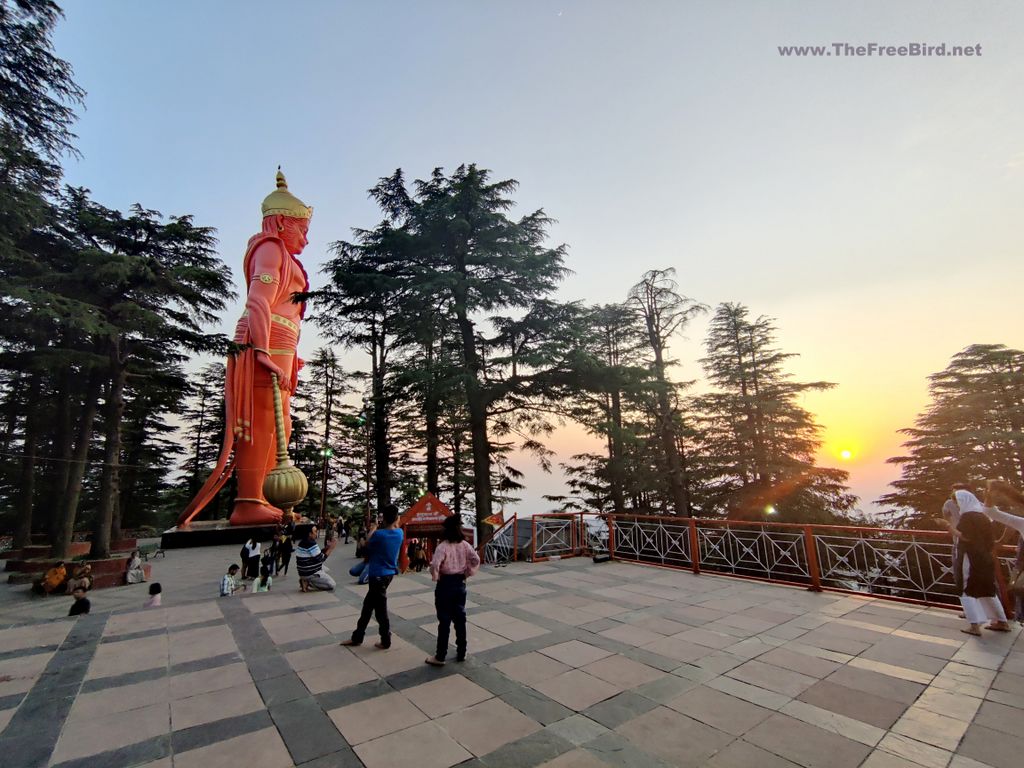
215, 533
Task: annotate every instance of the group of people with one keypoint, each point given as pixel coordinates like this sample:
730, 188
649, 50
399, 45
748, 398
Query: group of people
975, 557
454, 561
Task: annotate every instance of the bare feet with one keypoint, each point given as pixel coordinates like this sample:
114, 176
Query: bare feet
974, 629
998, 626
381, 646
434, 661
349, 643
253, 513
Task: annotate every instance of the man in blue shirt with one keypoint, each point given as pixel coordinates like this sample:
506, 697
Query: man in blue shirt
382, 564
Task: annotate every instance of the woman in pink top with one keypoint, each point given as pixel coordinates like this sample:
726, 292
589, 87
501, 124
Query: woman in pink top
454, 561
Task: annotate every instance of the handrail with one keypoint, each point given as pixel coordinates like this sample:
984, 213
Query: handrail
900, 564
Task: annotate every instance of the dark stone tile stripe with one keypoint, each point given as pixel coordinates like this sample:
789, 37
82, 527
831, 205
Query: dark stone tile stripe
30, 737
161, 630
18, 652
159, 673
304, 726
210, 733
133, 754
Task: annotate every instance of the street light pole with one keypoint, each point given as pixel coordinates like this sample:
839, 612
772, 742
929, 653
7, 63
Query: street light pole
369, 466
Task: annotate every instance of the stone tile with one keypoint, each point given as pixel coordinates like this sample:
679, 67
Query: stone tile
446, 695
516, 630
574, 653
892, 670
90, 737
752, 693
619, 709
665, 689
126, 697
622, 672
876, 683
424, 746
577, 729
487, 726
705, 637
1011, 683
880, 759
531, 750
337, 676
279, 690
741, 754
719, 710
5, 718
865, 707
680, 650
576, 689
201, 643
630, 635
806, 744
262, 749
318, 656
915, 751
827, 720
799, 662
535, 705
675, 738
931, 728
949, 703
400, 657
207, 707
577, 758
531, 668
375, 717
1000, 717
1000, 750
772, 678
194, 683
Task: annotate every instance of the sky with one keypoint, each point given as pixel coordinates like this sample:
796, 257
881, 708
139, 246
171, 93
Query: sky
871, 206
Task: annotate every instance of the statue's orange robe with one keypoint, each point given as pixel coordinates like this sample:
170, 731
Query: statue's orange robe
249, 436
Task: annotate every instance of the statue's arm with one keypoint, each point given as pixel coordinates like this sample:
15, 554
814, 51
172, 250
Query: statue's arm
264, 281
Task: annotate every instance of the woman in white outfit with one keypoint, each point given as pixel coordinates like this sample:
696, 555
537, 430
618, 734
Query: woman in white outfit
980, 598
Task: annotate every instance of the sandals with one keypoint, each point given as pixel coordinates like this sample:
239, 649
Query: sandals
1003, 628
976, 633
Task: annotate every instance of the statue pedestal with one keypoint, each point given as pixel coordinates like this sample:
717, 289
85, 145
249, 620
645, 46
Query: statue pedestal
214, 533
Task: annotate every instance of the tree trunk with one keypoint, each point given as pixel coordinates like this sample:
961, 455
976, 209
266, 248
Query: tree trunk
111, 476
673, 464
27, 479
56, 484
477, 415
381, 450
457, 474
430, 417
615, 473
65, 528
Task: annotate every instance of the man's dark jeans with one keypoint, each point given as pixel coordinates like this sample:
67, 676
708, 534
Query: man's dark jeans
450, 602
375, 603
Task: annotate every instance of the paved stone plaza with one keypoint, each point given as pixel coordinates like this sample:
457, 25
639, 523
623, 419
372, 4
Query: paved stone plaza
572, 665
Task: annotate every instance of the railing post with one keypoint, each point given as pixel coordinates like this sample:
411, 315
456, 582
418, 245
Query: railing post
611, 537
812, 559
533, 539
694, 545
515, 537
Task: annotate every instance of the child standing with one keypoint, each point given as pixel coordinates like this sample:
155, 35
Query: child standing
81, 606
454, 561
382, 564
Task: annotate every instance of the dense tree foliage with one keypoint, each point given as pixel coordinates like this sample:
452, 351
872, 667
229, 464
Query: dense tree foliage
972, 429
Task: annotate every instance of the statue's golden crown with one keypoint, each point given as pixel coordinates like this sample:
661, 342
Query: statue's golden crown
281, 202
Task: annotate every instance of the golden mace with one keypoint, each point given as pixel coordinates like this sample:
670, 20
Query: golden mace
285, 485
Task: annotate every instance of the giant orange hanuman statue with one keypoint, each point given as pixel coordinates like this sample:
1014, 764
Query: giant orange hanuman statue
266, 337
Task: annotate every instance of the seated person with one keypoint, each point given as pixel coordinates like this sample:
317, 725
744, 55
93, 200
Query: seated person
155, 595
81, 577
133, 572
81, 605
52, 580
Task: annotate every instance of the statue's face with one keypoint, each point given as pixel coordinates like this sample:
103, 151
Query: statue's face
294, 234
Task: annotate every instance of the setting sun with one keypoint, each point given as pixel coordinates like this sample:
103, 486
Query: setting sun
846, 454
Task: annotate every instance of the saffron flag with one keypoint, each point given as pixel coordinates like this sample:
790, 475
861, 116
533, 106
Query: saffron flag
496, 520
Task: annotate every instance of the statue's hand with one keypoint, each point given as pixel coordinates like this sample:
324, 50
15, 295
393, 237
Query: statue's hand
284, 382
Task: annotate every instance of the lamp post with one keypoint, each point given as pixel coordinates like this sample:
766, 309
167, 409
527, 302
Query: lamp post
365, 417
